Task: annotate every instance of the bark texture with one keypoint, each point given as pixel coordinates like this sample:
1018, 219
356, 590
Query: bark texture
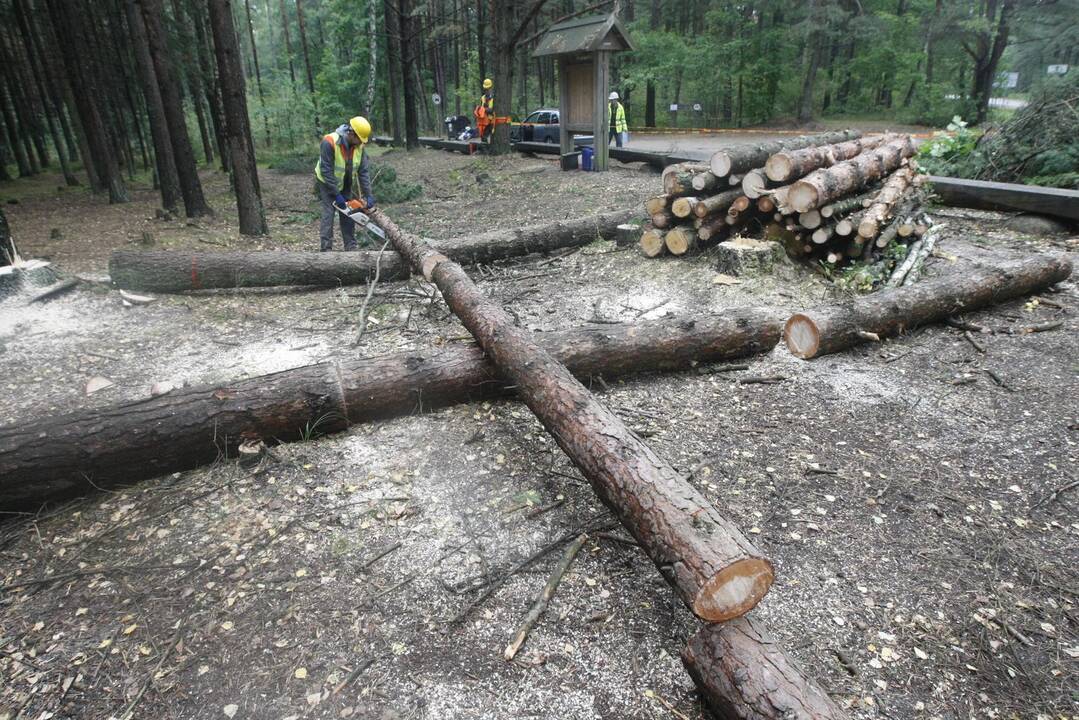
66, 455
891, 312
829, 184
743, 674
792, 164
166, 271
712, 566
740, 158
881, 209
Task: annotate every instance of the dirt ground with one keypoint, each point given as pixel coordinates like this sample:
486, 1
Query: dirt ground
921, 515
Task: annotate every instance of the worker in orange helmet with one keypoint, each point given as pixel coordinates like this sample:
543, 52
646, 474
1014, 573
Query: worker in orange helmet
487, 107
336, 175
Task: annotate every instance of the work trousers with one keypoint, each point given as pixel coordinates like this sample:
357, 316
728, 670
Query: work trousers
325, 226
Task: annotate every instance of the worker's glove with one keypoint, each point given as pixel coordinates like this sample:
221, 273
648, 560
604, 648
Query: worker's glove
370, 202
340, 200
355, 205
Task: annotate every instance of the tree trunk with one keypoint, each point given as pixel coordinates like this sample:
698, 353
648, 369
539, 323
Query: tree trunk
307, 60
741, 158
988, 57
258, 73
288, 42
241, 148
186, 169
17, 148
210, 89
66, 455
891, 312
75, 53
829, 184
390, 11
372, 59
169, 271
743, 674
811, 62
168, 180
406, 40
789, 165
715, 570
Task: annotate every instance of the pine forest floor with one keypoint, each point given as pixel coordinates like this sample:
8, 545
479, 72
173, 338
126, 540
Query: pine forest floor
922, 517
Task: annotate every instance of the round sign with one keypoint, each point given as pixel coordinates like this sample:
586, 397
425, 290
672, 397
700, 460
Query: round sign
436, 99
697, 107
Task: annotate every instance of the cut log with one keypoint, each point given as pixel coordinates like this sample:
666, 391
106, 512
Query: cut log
683, 207
823, 235
652, 243
706, 181
779, 197
755, 183
713, 229
740, 158
60, 456
809, 220
891, 312
166, 271
712, 566
716, 204
846, 205
743, 674
993, 195
656, 204
766, 204
823, 186
739, 205
881, 209
678, 179
663, 219
789, 165
681, 240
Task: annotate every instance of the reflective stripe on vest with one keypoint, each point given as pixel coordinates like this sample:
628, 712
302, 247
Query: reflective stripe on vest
340, 160
620, 124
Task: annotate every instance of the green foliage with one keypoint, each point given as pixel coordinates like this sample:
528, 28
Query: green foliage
388, 189
946, 150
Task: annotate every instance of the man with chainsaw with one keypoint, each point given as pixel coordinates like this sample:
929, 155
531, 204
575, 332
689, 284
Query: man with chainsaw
486, 109
616, 118
336, 180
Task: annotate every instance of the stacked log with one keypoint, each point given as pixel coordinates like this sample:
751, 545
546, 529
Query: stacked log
833, 199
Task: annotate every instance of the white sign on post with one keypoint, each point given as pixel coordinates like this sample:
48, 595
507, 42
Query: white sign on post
1057, 70
697, 107
436, 99
674, 107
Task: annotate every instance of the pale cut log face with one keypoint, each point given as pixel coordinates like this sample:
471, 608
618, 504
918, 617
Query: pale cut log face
802, 336
735, 590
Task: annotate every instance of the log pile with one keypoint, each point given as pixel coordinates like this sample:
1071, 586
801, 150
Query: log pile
833, 200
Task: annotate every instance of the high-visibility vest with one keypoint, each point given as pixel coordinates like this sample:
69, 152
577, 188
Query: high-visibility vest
487, 102
620, 124
340, 159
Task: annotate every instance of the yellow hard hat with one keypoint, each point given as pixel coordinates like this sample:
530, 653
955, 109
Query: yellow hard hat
487, 84
361, 127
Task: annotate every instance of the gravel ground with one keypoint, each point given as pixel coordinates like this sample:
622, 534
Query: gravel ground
922, 517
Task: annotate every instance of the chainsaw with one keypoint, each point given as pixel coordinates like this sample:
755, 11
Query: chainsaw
361, 218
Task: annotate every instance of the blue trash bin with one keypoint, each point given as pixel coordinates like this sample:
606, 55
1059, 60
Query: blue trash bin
587, 154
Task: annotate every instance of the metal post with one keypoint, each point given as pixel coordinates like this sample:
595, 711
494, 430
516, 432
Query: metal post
601, 85
565, 137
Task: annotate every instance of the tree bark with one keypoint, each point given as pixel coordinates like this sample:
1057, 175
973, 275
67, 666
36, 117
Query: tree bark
891, 312
75, 53
829, 184
893, 189
60, 456
168, 180
167, 271
743, 674
713, 568
288, 42
307, 59
245, 176
258, 72
741, 158
790, 165
12, 126
186, 169
406, 40
394, 77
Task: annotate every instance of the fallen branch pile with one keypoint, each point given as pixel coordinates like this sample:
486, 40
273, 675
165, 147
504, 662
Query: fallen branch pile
835, 198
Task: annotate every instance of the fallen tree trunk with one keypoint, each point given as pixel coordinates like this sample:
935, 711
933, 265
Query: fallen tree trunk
716, 204
823, 186
712, 566
740, 158
792, 164
891, 312
681, 240
743, 674
168, 271
678, 179
61, 456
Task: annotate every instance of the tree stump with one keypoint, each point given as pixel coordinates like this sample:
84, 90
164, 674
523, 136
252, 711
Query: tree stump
746, 256
627, 234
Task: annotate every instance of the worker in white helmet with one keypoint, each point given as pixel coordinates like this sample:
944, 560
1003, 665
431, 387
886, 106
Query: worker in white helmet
616, 118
